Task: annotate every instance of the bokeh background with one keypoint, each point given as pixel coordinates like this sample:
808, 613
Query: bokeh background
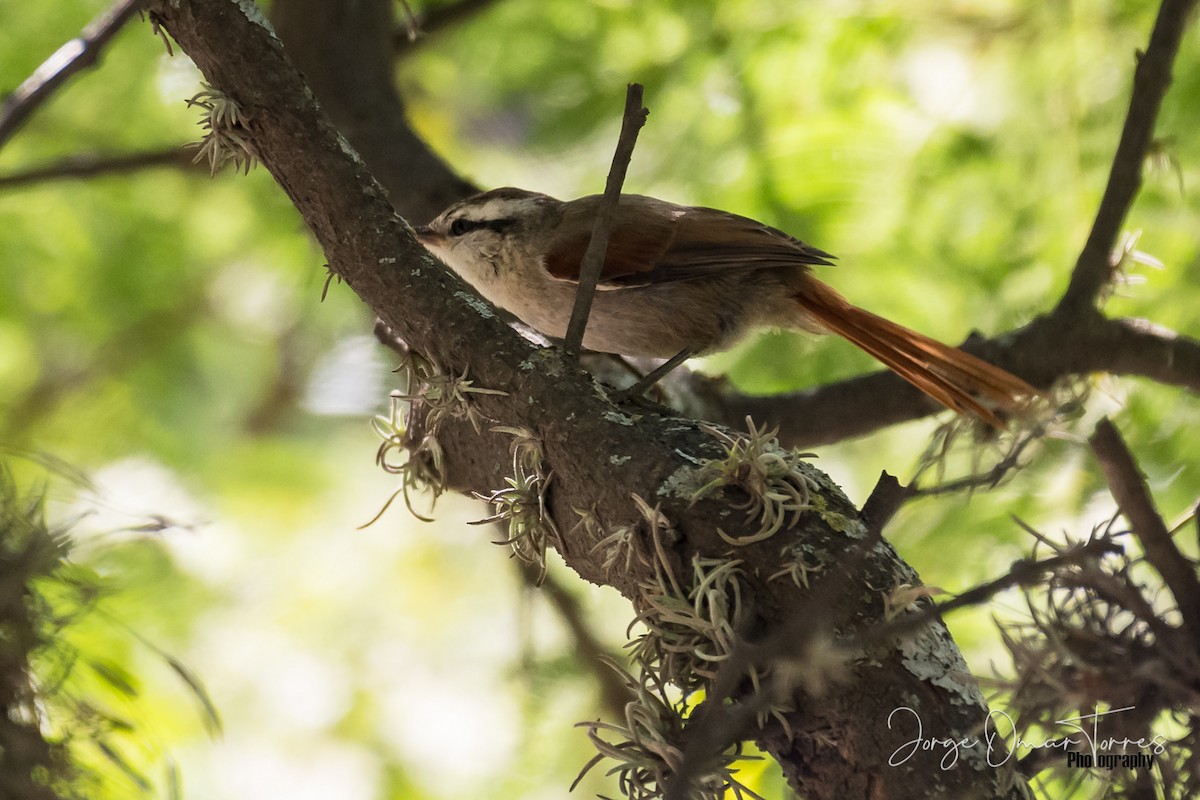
171, 379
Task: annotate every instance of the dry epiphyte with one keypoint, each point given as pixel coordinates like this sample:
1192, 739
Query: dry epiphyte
776, 481
965, 444
648, 751
421, 464
691, 629
1125, 257
622, 543
421, 467
688, 633
521, 506
225, 137
443, 395
693, 623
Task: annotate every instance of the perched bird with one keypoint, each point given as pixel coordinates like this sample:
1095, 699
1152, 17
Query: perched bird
679, 281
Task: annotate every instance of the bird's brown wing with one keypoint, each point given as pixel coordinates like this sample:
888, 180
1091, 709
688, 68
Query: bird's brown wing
653, 241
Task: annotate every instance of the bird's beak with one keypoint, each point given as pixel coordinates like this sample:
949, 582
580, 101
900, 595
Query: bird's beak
428, 236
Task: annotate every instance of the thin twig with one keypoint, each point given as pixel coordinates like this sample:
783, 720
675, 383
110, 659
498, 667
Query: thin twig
992, 477
1128, 487
73, 57
96, 166
593, 258
1150, 82
1024, 572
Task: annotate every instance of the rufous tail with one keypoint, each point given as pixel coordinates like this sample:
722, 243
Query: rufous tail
956, 379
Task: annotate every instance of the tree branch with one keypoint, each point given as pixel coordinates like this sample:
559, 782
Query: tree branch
72, 58
1128, 487
1047, 349
590, 652
95, 165
1151, 79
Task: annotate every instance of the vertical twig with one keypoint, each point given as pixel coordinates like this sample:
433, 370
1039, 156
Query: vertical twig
1128, 487
1150, 82
593, 258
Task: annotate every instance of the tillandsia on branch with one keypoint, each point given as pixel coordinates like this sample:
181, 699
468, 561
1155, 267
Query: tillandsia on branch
1096, 655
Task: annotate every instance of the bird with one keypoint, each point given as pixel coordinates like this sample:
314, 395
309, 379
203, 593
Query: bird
681, 281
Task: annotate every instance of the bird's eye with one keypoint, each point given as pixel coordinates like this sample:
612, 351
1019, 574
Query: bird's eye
461, 226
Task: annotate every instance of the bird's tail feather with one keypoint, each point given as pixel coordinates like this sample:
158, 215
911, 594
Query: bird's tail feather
956, 379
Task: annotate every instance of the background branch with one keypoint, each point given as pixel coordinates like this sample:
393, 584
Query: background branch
1128, 486
72, 58
1151, 80
1049, 348
347, 54
96, 165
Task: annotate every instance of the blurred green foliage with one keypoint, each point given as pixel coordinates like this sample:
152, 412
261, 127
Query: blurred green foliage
161, 330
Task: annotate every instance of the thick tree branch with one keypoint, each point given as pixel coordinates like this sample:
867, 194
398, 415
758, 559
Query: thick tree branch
839, 742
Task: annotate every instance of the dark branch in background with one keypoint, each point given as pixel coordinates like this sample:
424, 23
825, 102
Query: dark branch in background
591, 654
72, 58
1151, 80
593, 258
348, 57
95, 165
1128, 486
1050, 347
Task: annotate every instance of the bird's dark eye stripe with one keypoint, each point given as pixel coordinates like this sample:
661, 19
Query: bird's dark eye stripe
462, 226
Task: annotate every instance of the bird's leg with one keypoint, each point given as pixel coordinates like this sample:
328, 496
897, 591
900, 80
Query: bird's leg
652, 377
